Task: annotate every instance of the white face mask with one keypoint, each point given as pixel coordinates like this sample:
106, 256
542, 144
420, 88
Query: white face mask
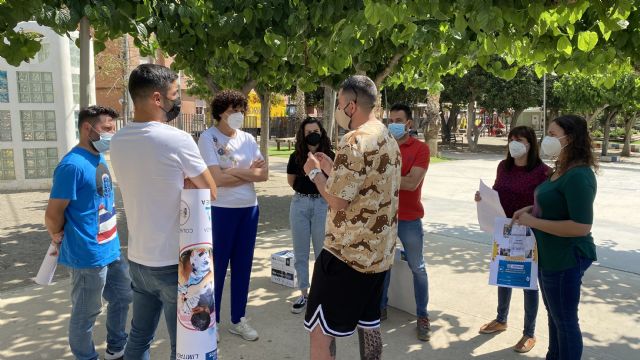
517, 149
235, 120
551, 146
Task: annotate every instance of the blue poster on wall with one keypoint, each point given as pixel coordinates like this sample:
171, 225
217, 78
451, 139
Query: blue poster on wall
4, 87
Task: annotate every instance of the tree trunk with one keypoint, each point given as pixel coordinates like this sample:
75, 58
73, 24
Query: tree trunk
628, 127
607, 131
265, 106
472, 137
328, 112
301, 110
378, 109
432, 116
514, 117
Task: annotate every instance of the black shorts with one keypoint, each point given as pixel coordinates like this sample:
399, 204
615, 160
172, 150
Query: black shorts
342, 298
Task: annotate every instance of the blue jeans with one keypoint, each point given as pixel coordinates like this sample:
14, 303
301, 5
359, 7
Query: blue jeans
88, 287
155, 290
561, 296
307, 218
234, 240
412, 238
530, 308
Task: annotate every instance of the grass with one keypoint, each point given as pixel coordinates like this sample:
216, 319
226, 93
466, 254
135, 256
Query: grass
284, 151
436, 159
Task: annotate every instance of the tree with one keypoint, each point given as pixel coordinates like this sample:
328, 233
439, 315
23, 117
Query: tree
515, 95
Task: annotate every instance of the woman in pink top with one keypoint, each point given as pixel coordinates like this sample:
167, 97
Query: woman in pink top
518, 176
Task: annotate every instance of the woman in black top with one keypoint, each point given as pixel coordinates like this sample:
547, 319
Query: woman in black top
308, 212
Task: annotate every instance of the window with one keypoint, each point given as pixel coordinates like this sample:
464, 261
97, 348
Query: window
38, 125
5, 125
40, 163
35, 87
4, 87
7, 166
76, 114
44, 52
74, 53
75, 82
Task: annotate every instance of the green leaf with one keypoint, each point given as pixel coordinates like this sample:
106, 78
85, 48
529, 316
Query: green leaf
460, 23
571, 30
587, 40
609, 82
564, 45
606, 33
248, 15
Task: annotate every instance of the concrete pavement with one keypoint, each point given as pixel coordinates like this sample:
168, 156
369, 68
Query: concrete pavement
33, 319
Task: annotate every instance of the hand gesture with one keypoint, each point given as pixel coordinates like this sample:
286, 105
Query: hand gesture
326, 164
312, 163
518, 215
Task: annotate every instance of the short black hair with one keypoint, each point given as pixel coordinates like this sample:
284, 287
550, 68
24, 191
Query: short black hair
201, 320
402, 107
148, 78
363, 88
226, 98
92, 114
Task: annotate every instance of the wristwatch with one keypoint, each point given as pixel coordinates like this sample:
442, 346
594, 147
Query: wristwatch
312, 174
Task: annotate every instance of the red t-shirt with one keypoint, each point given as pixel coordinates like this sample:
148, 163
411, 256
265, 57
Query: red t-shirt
414, 153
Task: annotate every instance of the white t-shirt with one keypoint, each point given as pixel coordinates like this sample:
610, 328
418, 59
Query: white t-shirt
151, 160
239, 151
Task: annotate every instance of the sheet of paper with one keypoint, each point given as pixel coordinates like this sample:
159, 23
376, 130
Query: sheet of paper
488, 208
47, 268
514, 258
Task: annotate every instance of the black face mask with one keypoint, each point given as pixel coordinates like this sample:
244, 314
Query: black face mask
174, 111
313, 139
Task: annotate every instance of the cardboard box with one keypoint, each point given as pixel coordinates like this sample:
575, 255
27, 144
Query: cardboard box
282, 270
401, 285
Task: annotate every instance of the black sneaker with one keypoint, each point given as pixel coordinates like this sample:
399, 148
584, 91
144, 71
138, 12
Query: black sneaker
299, 305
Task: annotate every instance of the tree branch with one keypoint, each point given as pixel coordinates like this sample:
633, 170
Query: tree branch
390, 66
211, 84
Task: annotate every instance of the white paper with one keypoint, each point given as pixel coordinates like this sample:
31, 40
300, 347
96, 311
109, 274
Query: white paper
514, 256
196, 325
48, 267
489, 207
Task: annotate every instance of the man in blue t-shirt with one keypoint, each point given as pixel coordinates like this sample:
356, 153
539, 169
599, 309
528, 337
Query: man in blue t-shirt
81, 220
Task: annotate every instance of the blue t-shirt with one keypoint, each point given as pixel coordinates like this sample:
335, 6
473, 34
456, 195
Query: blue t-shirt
90, 232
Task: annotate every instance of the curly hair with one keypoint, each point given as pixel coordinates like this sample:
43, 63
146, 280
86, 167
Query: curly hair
533, 156
579, 150
302, 150
226, 98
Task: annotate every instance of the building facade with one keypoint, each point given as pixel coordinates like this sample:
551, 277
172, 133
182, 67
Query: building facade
38, 110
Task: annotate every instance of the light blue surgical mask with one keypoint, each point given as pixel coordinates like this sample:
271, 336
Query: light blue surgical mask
397, 130
104, 143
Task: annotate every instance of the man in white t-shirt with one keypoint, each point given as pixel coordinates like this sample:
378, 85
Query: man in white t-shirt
153, 162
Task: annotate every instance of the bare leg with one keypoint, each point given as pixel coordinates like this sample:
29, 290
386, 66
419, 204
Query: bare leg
323, 347
370, 344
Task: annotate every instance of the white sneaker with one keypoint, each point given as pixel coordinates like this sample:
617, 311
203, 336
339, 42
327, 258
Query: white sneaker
299, 305
244, 329
108, 355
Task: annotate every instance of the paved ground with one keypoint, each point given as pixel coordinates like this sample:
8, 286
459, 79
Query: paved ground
33, 319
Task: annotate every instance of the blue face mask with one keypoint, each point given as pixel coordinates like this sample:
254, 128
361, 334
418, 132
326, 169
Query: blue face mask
397, 130
104, 143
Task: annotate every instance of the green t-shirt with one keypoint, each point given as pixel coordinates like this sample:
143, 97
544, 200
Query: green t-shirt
569, 197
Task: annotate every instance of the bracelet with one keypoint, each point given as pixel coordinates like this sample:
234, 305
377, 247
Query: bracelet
313, 173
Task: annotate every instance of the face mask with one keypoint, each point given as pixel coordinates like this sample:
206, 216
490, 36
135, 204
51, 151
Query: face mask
517, 149
551, 146
104, 143
313, 139
235, 120
397, 130
343, 119
174, 111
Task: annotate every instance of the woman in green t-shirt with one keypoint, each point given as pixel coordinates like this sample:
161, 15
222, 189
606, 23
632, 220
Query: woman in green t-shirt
561, 220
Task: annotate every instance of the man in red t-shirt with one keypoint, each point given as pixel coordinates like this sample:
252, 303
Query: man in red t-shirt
415, 161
